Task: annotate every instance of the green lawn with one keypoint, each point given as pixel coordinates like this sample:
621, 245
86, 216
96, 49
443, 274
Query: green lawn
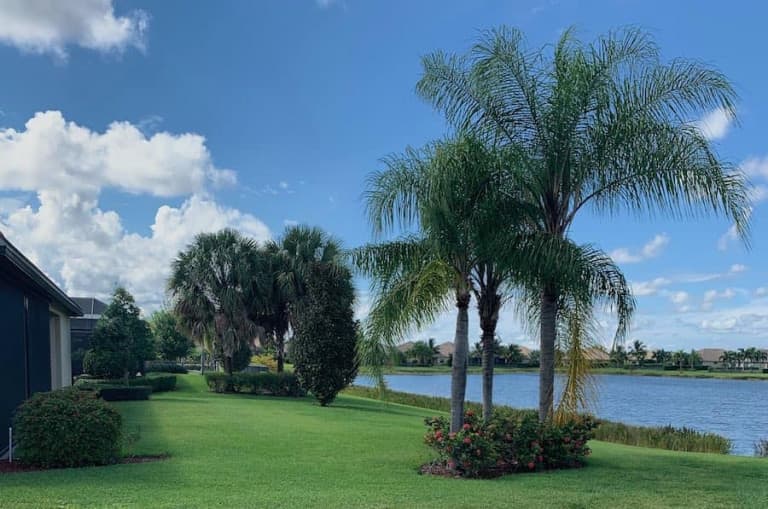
242, 451
732, 375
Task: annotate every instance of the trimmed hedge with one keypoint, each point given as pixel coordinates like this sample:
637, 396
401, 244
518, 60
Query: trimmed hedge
124, 393
67, 428
164, 367
158, 382
265, 384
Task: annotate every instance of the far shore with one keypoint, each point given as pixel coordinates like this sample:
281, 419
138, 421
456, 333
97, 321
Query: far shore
727, 375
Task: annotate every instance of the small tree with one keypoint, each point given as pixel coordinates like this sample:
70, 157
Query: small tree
325, 339
121, 340
170, 342
638, 352
513, 355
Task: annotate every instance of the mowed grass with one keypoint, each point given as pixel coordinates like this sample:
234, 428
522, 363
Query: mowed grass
243, 451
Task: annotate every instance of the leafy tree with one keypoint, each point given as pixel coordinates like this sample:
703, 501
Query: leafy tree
661, 356
638, 352
325, 339
605, 126
534, 357
121, 339
171, 344
513, 354
694, 359
213, 288
424, 352
619, 355
680, 359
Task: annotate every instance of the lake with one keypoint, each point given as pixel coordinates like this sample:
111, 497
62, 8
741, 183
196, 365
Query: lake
737, 409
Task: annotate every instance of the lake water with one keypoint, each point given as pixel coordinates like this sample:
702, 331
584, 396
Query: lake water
737, 409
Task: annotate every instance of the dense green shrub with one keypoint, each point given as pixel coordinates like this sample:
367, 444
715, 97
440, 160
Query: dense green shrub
164, 367
124, 392
324, 344
67, 428
158, 382
267, 384
509, 443
171, 344
658, 437
103, 364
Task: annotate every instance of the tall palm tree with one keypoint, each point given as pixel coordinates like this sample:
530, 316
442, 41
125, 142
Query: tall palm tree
605, 126
211, 287
291, 257
638, 352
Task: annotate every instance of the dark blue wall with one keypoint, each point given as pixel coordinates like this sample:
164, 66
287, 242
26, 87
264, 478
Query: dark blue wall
24, 365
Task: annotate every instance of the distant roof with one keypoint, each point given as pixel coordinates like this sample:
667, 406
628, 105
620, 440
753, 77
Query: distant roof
404, 347
90, 305
28, 270
711, 354
445, 349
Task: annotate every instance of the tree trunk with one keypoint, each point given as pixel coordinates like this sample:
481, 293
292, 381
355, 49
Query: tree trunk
547, 358
280, 344
228, 365
488, 307
459, 367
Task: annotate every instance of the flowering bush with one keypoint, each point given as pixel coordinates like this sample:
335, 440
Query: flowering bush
511, 442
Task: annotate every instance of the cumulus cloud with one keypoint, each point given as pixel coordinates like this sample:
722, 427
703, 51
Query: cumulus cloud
51, 152
736, 268
715, 124
50, 26
86, 248
651, 249
679, 297
646, 288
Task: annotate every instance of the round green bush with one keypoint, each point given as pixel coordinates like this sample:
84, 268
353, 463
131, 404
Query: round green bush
103, 364
67, 428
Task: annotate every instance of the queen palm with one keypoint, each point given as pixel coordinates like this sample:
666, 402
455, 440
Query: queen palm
212, 288
451, 193
604, 126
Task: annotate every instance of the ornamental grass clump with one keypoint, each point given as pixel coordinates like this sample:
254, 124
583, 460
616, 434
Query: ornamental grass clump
509, 443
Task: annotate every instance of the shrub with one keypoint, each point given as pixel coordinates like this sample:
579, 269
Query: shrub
124, 392
265, 384
324, 345
164, 367
761, 448
67, 428
158, 383
103, 364
169, 341
265, 360
509, 443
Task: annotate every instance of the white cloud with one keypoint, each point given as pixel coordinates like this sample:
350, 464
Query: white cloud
731, 235
50, 26
651, 249
646, 288
283, 184
52, 153
290, 222
761, 292
736, 268
715, 124
756, 167
679, 298
86, 248
89, 251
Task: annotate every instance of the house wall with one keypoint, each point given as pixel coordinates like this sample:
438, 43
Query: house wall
25, 350
61, 348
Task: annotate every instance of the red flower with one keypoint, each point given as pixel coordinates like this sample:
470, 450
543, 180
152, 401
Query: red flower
540, 459
466, 427
470, 413
531, 465
438, 434
467, 440
567, 439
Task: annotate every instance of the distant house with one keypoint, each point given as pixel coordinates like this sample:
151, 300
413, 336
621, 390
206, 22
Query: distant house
82, 329
444, 352
711, 356
35, 341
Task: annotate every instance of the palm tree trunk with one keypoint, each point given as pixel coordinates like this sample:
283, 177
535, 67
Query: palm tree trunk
547, 359
280, 344
488, 306
459, 367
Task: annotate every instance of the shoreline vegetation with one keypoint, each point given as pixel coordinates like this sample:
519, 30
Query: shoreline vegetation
444, 370
654, 437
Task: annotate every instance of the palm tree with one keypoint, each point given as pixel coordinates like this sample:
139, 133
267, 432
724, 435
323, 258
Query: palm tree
513, 354
728, 358
423, 352
605, 126
211, 287
290, 258
680, 358
741, 358
661, 356
694, 359
638, 352
619, 355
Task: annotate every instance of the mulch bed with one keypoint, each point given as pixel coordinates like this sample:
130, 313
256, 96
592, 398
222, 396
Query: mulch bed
10, 468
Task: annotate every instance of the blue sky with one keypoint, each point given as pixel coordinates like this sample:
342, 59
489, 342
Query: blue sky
130, 126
